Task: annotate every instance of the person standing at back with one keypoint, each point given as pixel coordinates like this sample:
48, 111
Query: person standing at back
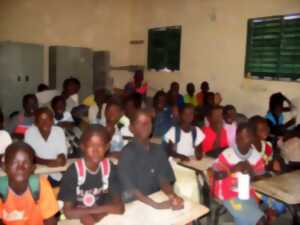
200, 95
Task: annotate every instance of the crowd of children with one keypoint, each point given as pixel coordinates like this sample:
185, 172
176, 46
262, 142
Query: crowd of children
191, 126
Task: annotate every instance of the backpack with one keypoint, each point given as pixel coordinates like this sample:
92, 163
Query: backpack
33, 183
105, 170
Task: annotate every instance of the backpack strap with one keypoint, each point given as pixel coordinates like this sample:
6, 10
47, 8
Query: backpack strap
105, 170
177, 134
3, 188
194, 135
34, 186
81, 171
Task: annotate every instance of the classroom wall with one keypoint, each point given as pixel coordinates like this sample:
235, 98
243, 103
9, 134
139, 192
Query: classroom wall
97, 24
213, 46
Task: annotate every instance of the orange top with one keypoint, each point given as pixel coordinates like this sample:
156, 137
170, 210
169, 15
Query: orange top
23, 210
200, 98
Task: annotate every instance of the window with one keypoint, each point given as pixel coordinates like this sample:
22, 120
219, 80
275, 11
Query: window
273, 48
164, 48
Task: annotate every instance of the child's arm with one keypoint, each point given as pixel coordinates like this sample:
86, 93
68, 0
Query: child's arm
173, 153
50, 221
175, 201
59, 161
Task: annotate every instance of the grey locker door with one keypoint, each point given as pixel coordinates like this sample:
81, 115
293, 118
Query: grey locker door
11, 91
101, 67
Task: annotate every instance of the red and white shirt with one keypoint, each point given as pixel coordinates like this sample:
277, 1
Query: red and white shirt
225, 189
266, 152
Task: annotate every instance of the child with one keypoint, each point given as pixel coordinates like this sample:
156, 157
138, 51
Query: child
230, 124
174, 97
200, 96
137, 85
71, 87
64, 119
48, 142
5, 139
97, 110
25, 198
202, 111
18, 125
144, 167
184, 140
242, 158
190, 98
163, 115
113, 113
215, 134
90, 186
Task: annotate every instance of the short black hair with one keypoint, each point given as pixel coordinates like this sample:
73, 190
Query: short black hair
228, 108
114, 101
139, 113
185, 107
27, 97
43, 110
136, 98
95, 129
57, 99
13, 148
69, 81
245, 126
213, 108
204, 84
156, 97
275, 100
42, 87
255, 120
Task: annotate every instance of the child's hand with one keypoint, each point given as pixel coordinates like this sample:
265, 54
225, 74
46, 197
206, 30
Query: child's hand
87, 220
184, 158
61, 160
162, 205
276, 166
176, 202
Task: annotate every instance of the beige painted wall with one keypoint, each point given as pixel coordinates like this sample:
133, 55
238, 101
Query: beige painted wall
97, 24
212, 50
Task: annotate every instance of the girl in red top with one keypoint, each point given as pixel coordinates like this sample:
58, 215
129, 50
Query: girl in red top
215, 134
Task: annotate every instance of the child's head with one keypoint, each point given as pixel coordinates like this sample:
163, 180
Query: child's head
94, 143
244, 137
218, 98
19, 162
44, 120
190, 89
276, 103
204, 86
215, 116
58, 105
71, 86
138, 77
260, 127
141, 124
1, 119
229, 114
100, 96
174, 87
42, 87
209, 99
132, 104
113, 111
160, 100
30, 104
187, 114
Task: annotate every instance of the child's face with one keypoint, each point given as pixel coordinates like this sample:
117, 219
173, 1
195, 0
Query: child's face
59, 108
95, 148
175, 88
72, 88
44, 122
162, 102
142, 127
99, 97
113, 114
31, 106
262, 131
230, 116
20, 167
216, 117
244, 140
190, 89
187, 116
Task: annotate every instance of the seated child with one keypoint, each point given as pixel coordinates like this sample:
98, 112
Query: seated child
48, 142
163, 115
200, 95
184, 139
26, 199
174, 97
215, 134
71, 87
190, 97
97, 110
230, 124
90, 188
113, 113
18, 125
245, 159
5, 139
144, 167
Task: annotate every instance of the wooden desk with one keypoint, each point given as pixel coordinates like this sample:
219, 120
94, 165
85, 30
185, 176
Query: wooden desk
285, 188
137, 213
